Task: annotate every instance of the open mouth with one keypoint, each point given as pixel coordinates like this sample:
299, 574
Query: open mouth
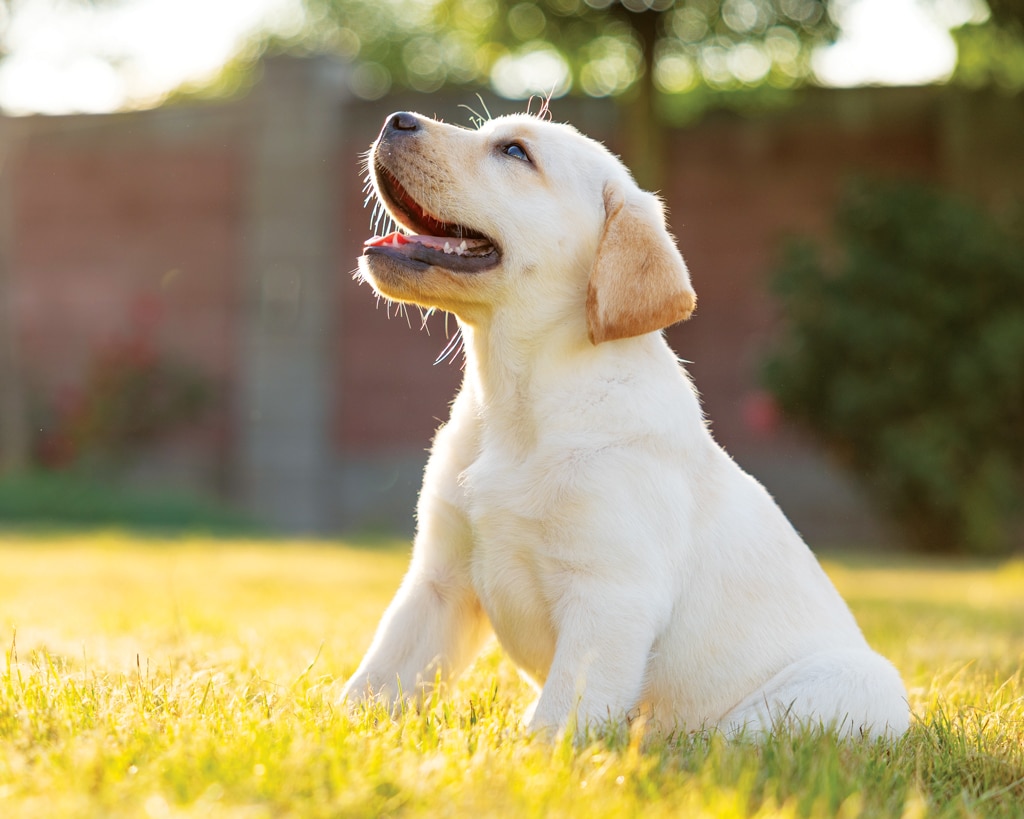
430, 242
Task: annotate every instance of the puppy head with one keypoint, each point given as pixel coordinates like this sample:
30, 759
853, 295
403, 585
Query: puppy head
526, 217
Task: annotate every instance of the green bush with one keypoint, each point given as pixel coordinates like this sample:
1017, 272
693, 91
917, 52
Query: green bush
904, 355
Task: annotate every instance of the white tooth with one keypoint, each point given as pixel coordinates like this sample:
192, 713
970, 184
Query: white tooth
462, 247
447, 247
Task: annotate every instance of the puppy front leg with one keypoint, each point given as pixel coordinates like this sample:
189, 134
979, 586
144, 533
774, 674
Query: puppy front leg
600, 662
434, 626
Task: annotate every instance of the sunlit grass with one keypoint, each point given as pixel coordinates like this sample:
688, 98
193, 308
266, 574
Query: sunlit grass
195, 677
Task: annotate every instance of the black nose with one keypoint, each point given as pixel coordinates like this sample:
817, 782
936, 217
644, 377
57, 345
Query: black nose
402, 122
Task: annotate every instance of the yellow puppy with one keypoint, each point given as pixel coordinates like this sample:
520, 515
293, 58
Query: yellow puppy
575, 502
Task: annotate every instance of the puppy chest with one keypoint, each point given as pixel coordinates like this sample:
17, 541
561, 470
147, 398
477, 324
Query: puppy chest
511, 590
516, 507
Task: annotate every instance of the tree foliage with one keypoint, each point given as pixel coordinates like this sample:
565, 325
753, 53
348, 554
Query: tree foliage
1008, 12
599, 47
615, 47
990, 54
905, 358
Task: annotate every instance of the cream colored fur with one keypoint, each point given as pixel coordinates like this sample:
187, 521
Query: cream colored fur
575, 503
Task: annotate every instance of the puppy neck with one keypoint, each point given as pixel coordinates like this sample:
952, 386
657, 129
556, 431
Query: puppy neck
505, 358
520, 381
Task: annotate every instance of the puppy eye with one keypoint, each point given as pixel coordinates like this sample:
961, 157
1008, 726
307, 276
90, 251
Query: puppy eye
516, 151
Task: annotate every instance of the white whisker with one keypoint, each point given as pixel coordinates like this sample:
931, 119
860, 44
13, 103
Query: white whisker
454, 346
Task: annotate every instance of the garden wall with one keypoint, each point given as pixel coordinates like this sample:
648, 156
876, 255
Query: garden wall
225, 236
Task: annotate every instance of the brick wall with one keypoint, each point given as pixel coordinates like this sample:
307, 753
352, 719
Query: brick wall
127, 227
738, 191
199, 224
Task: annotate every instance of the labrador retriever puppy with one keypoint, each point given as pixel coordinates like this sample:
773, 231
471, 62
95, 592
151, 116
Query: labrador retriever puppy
575, 503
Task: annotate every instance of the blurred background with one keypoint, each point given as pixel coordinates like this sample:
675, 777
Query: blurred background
182, 205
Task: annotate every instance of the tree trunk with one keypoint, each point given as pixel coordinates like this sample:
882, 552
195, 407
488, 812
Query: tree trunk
643, 133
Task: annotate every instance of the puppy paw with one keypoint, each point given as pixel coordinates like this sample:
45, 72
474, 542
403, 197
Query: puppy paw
360, 691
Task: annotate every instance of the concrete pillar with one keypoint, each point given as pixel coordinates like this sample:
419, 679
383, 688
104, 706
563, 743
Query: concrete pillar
14, 432
284, 393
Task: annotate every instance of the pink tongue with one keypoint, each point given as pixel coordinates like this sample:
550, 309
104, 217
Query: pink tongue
394, 239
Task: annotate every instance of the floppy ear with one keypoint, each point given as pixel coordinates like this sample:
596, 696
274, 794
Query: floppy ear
639, 282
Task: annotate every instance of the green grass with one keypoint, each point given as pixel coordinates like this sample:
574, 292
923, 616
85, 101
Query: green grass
193, 677
72, 499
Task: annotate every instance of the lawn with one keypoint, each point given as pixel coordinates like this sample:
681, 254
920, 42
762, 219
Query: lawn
149, 677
